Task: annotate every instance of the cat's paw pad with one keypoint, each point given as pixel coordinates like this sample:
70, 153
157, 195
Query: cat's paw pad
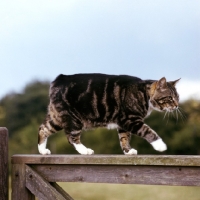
159, 145
131, 152
45, 151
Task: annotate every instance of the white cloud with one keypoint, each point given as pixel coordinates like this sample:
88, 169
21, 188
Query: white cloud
188, 89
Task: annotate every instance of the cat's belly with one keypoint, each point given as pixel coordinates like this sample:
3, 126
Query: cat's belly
112, 126
90, 125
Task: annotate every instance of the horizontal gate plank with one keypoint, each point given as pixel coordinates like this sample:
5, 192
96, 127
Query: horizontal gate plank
161, 160
123, 174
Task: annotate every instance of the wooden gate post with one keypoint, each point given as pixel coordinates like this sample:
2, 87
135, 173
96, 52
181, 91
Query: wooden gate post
19, 190
3, 163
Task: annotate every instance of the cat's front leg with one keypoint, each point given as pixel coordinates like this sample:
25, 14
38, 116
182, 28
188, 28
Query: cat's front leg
82, 149
152, 137
159, 145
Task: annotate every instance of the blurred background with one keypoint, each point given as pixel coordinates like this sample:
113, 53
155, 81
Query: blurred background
149, 39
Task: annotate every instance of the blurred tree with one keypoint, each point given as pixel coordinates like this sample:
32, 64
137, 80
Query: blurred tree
188, 139
19, 109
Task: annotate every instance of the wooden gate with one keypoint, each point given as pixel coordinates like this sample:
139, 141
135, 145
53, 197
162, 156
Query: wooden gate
36, 175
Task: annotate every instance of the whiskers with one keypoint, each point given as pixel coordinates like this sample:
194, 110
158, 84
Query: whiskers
167, 113
178, 113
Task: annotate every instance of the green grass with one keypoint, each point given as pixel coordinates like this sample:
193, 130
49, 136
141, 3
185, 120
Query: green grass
91, 191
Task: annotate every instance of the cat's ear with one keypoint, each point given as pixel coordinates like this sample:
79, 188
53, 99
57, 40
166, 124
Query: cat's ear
162, 83
158, 85
174, 82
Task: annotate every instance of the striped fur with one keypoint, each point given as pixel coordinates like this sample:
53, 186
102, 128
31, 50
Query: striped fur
84, 101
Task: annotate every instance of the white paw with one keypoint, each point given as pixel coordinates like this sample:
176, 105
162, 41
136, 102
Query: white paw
131, 152
82, 149
90, 152
42, 149
159, 145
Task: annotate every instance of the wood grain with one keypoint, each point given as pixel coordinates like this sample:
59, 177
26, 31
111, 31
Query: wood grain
45, 171
43, 189
161, 160
19, 190
149, 175
3, 163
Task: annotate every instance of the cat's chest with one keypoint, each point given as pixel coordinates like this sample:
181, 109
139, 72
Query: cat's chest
150, 109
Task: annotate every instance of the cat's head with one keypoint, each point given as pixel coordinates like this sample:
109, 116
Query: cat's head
163, 95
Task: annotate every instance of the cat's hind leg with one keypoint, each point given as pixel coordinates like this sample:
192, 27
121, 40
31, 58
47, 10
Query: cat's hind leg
45, 130
124, 138
74, 139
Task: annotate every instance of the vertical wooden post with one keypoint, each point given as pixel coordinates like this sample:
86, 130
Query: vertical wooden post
3, 163
19, 190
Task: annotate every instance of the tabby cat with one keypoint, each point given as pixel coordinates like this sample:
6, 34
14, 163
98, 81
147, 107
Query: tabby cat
84, 101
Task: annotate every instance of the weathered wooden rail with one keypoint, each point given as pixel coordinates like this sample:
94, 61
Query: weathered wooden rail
3, 163
36, 175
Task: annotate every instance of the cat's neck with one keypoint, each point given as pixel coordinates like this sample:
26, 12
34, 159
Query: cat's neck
150, 109
150, 91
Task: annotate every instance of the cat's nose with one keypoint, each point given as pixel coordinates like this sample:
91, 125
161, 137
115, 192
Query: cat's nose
175, 103
175, 107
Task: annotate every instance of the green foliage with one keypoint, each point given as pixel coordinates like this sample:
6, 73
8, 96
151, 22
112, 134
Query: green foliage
18, 110
23, 113
24, 141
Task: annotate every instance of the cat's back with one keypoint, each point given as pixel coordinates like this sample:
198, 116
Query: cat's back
88, 87
66, 80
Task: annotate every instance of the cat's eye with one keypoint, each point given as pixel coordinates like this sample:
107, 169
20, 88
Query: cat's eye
170, 98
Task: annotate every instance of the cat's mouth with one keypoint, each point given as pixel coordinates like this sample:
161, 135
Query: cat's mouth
170, 109
176, 111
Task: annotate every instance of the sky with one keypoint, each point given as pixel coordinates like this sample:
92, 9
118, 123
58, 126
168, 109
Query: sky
149, 39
